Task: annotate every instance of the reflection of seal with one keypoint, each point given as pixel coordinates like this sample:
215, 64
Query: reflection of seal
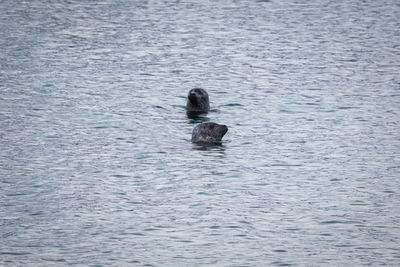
198, 101
208, 133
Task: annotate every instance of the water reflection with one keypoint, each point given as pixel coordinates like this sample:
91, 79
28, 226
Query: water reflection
217, 149
196, 117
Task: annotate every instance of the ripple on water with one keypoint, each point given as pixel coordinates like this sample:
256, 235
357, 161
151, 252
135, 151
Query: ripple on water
96, 163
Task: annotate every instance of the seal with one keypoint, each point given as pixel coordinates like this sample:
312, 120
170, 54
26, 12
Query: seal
208, 133
198, 101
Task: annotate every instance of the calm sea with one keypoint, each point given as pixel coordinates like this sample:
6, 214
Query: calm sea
96, 163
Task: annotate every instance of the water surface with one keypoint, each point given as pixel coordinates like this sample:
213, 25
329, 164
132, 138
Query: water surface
96, 164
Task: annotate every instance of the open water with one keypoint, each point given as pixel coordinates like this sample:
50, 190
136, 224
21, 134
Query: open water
96, 163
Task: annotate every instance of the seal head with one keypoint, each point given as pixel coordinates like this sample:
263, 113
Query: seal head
198, 101
208, 133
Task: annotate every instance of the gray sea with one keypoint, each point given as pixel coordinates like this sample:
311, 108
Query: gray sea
96, 163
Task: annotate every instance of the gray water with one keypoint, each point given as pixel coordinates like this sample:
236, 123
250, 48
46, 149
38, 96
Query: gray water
96, 163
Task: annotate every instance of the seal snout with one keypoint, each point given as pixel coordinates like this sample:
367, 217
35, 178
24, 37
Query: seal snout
224, 130
192, 97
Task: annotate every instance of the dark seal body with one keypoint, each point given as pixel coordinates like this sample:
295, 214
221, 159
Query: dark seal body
198, 101
208, 133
